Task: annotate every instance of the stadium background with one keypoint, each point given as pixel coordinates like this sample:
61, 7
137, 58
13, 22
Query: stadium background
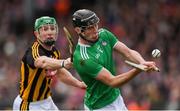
141, 24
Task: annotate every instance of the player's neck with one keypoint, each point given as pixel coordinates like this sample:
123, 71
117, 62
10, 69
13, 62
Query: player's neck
82, 41
49, 48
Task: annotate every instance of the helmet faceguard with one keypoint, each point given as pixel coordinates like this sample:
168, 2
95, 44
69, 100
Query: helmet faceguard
46, 20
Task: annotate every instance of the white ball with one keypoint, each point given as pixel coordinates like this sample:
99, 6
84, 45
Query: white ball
156, 53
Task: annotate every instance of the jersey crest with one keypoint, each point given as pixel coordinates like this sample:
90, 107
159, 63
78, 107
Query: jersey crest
104, 43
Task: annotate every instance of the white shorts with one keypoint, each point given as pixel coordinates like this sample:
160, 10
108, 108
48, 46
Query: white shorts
117, 105
42, 105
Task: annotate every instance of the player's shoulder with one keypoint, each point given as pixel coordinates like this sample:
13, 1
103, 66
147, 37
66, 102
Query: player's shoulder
29, 55
80, 59
33, 51
28, 51
34, 46
36, 50
103, 31
81, 53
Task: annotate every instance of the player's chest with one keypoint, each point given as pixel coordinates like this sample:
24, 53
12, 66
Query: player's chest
51, 54
101, 52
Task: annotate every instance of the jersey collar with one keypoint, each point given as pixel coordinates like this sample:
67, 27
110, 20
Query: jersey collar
85, 45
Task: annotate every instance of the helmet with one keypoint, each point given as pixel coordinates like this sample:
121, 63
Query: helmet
83, 18
43, 21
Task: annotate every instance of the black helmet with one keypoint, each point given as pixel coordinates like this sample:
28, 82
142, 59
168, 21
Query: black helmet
83, 18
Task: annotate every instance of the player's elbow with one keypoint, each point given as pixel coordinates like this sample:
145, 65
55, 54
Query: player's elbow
40, 62
37, 63
114, 83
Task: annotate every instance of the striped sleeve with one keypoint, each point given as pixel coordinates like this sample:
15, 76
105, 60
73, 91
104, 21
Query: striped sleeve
31, 55
35, 50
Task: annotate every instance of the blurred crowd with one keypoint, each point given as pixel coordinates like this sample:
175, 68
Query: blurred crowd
142, 25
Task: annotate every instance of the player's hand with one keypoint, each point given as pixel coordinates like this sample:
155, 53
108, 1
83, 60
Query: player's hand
67, 63
50, 73
82, 85
151, 66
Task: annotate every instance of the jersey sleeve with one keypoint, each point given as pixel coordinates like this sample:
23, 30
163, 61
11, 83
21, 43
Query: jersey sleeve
88, 66
28, 58
31, 55
112, 38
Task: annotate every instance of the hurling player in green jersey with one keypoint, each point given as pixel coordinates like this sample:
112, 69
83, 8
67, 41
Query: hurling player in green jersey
94, 62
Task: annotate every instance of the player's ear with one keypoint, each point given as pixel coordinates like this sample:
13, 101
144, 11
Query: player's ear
78, 30
36, 33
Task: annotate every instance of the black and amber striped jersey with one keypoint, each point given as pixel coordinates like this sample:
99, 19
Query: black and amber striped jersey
34, 85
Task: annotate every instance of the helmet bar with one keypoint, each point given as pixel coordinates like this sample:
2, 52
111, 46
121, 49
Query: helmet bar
88, 18
84, 18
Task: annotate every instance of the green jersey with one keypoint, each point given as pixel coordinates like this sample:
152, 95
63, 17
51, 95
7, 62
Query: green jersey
88, 61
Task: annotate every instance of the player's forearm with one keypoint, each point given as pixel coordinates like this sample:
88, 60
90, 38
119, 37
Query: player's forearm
48, 63
128, 53
135, 57
53, 64
66, 77
119, 80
